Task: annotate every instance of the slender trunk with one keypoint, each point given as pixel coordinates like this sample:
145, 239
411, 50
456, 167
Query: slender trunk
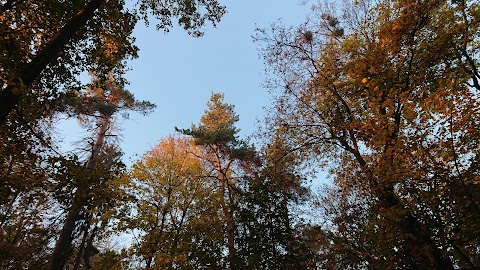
80, 250
11, 95
85, 251
177, 235
289, 234
156, 242
273, 245
149, 261
89, 250
229, 221
62, 249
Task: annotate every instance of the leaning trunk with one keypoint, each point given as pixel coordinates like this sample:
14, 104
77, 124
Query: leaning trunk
418, 244
62, 248
11, 95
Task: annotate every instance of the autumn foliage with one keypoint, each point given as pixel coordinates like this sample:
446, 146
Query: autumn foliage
381, 96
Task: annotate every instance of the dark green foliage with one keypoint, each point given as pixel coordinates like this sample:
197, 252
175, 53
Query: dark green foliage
265, 237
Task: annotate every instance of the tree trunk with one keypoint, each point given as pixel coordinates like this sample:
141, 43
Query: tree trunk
11, 95
385, 192
61, 252
229, 221
78, 259
288, 233
410, 226
89, 250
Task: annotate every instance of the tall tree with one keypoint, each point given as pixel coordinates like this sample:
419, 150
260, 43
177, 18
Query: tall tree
385, 94
267, 237
27, 226
51, 42
225, 153
102, 100
44, 48
173, 210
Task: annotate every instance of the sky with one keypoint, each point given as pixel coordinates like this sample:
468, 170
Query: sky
179, 73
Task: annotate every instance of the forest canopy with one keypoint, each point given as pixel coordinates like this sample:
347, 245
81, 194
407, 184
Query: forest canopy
381, 95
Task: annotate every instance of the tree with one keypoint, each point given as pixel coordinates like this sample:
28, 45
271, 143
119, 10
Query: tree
267, 237
107, 45
385, 94
173, 210
45, 46
225, 154
33, 42
27, 226
101, 100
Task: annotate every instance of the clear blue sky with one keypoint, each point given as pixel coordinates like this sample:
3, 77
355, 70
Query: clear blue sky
178, 72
